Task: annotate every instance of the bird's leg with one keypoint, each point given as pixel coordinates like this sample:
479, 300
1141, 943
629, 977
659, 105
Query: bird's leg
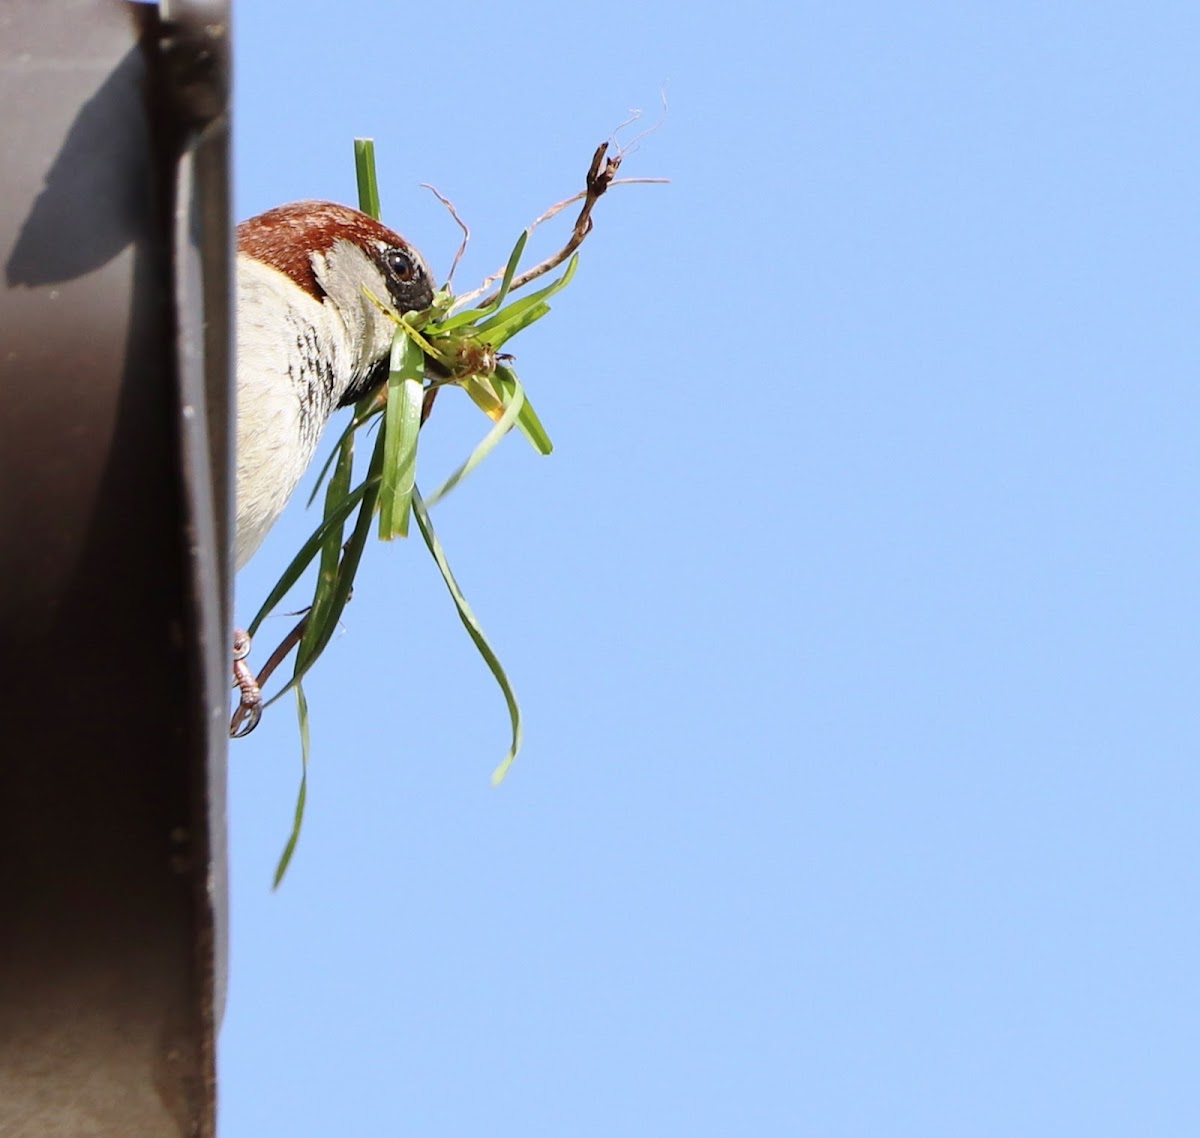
249, 711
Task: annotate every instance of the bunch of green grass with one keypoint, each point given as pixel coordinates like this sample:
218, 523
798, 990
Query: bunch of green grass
464, 346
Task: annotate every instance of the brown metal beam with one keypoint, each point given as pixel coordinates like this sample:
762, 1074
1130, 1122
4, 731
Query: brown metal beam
114, 574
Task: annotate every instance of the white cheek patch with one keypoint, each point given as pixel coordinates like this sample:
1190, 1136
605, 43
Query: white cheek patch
343, 272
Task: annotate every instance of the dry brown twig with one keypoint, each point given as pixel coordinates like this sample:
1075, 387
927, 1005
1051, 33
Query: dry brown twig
602, 174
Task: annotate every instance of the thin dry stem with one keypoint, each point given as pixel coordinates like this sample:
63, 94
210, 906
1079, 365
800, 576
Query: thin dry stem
461, 224
634, 116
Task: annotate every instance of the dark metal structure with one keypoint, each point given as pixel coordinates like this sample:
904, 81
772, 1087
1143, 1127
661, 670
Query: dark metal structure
115, 444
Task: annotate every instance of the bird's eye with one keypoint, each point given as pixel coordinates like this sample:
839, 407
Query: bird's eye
401, 265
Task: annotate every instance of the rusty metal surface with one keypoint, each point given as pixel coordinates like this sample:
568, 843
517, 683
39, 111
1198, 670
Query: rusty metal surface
114, 580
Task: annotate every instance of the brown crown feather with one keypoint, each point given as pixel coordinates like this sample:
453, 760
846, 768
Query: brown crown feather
286, 237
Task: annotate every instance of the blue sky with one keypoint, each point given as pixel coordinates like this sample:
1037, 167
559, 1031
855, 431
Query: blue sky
854, 616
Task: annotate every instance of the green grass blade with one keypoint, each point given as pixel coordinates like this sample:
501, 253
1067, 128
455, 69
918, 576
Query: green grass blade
484, 395
510, 271
491, 394
516, 400
542, 294
356, 421
401, 428
472, 315
475, 631
331, 549
312, 647
505, 380
484, 329
467, 316
368, 184
310, 549
516, 321
337, 491
285, 859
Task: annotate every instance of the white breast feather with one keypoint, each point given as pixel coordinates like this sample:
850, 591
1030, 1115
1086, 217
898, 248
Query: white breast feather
272, 455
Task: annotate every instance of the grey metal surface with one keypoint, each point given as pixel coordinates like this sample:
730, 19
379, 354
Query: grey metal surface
114, 580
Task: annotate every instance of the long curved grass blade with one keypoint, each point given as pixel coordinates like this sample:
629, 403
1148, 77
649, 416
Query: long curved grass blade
505, 381
310, 549
285, 859
516, 321
516, 400
484, 395
331, 548
401, 428
316, 636
368, 184
355, 422
475, 631
491, 394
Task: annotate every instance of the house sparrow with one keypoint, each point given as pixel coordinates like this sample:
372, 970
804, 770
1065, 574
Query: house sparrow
309, 340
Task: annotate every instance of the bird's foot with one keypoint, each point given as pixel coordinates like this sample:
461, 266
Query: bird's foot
250, 706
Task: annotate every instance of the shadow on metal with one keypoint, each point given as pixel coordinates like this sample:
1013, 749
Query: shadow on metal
115, 445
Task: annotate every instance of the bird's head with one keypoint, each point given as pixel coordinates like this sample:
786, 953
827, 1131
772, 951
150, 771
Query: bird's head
336, 255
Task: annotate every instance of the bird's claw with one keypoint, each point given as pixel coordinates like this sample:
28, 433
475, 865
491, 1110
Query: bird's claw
250, 706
